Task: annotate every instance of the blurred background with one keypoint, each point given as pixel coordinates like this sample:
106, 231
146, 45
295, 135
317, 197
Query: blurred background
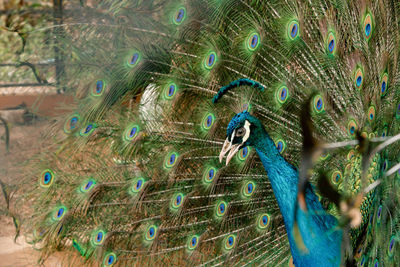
30, 100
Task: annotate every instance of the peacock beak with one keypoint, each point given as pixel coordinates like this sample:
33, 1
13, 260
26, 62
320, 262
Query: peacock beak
233, 149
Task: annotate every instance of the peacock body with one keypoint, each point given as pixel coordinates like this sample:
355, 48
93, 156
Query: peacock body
135, 176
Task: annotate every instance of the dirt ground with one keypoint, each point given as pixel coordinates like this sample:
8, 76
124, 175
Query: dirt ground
25, 141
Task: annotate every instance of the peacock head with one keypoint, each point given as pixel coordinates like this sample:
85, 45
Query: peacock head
242, 131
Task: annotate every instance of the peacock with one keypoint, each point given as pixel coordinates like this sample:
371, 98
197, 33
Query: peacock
222, 133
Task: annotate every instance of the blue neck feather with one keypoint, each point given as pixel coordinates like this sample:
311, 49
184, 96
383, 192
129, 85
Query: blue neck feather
319, 230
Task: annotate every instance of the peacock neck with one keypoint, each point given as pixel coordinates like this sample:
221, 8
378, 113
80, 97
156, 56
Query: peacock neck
318, 229
282, 175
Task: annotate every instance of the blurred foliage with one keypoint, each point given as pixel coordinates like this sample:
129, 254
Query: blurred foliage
25, 28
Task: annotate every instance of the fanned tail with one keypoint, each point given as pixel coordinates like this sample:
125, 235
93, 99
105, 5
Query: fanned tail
134, 176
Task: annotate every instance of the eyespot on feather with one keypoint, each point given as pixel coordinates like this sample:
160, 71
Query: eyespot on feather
282, 94
170, 91
208, 121
384, 84
133, 59
293, 30
253, 41
336, 177
331, 43
368, 26
263, 221
137, 185
210, 60
229, 242
248, 189
371, 113
221, 208
151, 233
280, 145
98, 88
359, 78
193, 242
171, 160
179, 16
72, 123
109, 259
46, 178
98, 237
131, 132
87, 185
318, 104
243, 154
209, 175
59, 213
88, 129
176, 201
352, 127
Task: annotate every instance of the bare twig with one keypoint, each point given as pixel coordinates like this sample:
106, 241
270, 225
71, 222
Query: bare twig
7, 133
25, 85
34, 70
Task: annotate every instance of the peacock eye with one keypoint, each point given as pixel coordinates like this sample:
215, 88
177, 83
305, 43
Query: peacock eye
240, 132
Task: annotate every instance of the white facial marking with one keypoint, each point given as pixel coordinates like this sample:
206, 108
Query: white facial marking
247, 134
233, 149
233, 135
